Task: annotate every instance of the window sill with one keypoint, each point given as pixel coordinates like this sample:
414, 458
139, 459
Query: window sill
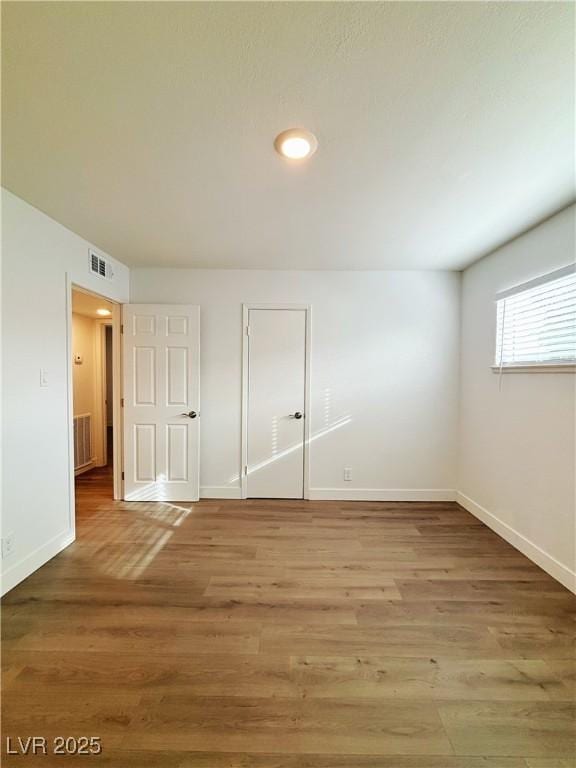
536, 368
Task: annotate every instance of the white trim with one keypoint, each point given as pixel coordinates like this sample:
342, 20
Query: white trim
307, 400
535, 368
36, 559
260, 305
99, 425
84, 468
117, 415
550, 277
70, 409
382, 494
554, 567
307, 308
244, 406
117, 412
220, 492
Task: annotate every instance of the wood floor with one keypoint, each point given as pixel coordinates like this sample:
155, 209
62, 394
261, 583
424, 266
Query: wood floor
276, 634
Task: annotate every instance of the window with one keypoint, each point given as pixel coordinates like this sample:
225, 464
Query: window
536, 323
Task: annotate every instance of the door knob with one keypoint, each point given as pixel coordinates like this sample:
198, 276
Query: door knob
190, 414
296, 415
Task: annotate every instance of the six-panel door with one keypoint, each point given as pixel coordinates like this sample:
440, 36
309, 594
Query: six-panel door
276, 403
161, 345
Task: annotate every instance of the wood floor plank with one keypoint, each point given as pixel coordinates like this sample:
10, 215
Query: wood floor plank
550, 642
531, 729
422, 641
206, 674
204, 609
285, 725
120, 636
354, 587
348, 677
498, 680
510, 612
117, 758
479, 589
108, 715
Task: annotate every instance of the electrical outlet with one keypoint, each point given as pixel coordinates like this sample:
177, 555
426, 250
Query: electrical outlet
7, 545
347, 473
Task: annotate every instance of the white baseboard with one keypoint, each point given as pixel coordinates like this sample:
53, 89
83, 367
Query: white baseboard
220, 492
554, 567
19, 571
85, 468
382, 494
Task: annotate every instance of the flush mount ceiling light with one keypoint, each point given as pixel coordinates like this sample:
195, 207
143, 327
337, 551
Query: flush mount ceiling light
296, 144
103, 312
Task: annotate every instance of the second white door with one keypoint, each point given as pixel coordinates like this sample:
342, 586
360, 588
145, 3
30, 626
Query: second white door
276, 415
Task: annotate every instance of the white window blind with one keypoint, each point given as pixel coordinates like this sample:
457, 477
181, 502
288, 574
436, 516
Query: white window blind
536, 322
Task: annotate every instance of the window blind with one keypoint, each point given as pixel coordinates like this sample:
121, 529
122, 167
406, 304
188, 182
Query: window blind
536, 323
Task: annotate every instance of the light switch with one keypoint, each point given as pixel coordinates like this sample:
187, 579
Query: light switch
43, 377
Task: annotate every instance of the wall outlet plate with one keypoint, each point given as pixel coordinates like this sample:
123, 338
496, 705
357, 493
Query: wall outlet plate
348, 473
7, 545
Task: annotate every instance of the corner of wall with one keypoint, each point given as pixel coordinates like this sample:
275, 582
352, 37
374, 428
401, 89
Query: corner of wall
557, 570
16, 573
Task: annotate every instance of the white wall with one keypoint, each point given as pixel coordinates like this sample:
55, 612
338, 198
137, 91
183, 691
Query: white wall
517, 460
84, 373
384, 354
36, 493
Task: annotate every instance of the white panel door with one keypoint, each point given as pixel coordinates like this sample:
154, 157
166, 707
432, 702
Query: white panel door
161, 361
276, 401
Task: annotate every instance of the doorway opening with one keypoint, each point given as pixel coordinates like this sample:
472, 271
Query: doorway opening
95, 381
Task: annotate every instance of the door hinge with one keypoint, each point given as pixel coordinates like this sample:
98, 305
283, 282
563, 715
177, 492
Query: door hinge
122, 475
122, 329
246, 470
122, 402
247, 330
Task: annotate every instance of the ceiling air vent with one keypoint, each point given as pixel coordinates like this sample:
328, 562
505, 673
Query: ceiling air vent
99, 266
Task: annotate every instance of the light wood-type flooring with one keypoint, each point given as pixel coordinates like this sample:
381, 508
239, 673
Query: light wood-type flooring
290, 634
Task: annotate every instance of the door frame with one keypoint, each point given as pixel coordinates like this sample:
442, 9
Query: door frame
115, 321
307, 308
101, 385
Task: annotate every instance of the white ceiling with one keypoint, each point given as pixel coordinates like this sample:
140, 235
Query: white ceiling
86, 304
444, 128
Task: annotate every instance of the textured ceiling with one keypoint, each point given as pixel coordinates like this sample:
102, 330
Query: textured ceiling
444, 128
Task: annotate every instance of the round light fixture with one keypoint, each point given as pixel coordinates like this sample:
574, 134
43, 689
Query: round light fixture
296, 144
103, 312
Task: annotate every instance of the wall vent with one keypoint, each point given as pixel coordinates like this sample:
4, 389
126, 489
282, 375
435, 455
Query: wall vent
99, 266
82, 441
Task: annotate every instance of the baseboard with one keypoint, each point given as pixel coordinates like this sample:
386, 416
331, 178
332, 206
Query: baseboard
85, 468
16, 573
554, 567
220, 492
382, 494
